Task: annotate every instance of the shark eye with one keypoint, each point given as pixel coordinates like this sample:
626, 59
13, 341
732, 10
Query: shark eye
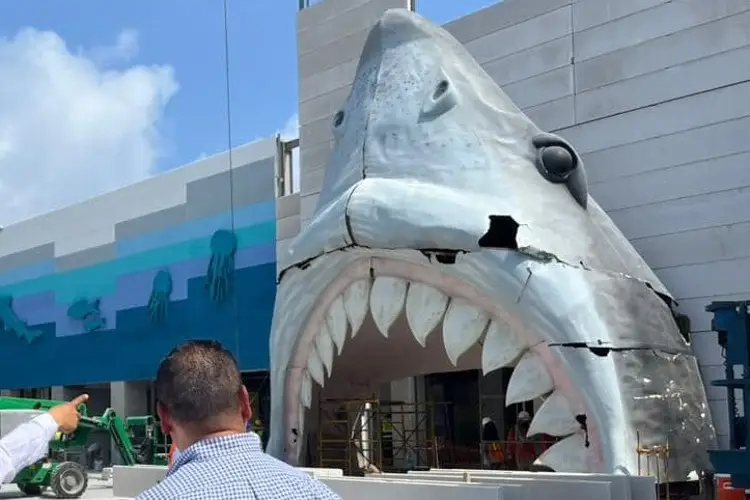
557, 162
440, 89
338, 119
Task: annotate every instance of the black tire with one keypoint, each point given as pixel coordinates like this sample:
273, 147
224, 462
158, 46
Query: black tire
30, 489
69, 480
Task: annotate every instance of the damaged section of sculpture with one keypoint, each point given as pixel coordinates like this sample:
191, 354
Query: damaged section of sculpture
431, 154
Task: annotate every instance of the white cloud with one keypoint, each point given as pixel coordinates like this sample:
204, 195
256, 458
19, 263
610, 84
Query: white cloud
289, 132
71, 128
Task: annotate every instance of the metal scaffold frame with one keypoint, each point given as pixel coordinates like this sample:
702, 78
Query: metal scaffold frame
368, 435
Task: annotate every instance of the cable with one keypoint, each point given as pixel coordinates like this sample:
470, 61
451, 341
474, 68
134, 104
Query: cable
229, 155
228, 91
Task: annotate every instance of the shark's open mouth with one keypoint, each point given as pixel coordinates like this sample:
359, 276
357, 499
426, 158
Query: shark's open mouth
452, 233
440, 311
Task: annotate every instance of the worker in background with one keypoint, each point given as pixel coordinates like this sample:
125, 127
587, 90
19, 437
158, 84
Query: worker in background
29, 442
204, 407
492, 451
523, 449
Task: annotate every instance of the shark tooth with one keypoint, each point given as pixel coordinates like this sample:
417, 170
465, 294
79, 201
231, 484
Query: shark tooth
554, 417
568, 455
337, 323
356, 303
501, 347
324, 346
463, 325
425, 307
305, 391
529, 380
386, 301
315, 367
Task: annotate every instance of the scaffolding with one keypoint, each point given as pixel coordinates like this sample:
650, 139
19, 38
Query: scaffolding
360, 436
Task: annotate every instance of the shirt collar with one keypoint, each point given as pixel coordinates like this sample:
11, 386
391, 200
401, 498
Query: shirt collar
217, 446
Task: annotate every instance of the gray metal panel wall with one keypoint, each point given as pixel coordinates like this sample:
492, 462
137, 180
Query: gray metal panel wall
655, 94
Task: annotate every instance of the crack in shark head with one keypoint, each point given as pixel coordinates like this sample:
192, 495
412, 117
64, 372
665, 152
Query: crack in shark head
452, 233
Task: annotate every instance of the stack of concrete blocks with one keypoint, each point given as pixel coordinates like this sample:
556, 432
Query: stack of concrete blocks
441, 484
655, 95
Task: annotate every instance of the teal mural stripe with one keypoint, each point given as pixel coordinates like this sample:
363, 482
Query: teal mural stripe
101, 279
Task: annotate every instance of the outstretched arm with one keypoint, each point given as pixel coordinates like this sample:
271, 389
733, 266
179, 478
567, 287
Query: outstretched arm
26, 444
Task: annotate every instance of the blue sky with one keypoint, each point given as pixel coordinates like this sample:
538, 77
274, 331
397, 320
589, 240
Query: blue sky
188, 36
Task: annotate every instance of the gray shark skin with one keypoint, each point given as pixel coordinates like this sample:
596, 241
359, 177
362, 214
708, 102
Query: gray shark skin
429, 150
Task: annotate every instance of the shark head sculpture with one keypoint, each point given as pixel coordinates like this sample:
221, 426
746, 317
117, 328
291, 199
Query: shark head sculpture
452, 233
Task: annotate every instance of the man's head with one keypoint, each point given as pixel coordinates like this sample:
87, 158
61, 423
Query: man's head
200, 393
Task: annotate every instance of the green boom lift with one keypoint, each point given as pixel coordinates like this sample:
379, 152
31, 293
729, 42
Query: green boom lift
138, 440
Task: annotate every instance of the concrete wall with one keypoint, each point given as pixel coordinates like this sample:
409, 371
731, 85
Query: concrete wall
653, 94
110, 248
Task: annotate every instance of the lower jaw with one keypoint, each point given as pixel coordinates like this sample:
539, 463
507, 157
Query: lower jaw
451, 286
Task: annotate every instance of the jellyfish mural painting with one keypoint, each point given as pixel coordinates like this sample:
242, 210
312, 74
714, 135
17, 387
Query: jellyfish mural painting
161, 291
221, 265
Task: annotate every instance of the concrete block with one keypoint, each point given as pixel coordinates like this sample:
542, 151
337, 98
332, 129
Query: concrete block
686, 214
531, 62
708, 279
130, 482
346, 48
312, 179
522, 36
308, 203
354, 17
664, 52
696, 247
533, 487
287, 227
326, 81
590, 13
323, 106
727, 172
553, 115
314, 133
543, 88
677, 81
725, 138
499, 16
662, 20
287, 206
374, 489
315, 157
663, 119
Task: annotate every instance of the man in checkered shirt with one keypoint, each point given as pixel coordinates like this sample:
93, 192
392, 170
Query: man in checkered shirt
204, 407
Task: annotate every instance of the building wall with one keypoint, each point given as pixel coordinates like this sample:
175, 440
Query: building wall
104, 254
653, 94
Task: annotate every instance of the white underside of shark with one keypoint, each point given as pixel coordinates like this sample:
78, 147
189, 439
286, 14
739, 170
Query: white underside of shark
451, 233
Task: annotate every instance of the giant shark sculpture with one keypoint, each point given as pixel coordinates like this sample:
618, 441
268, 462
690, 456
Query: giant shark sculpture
453, 233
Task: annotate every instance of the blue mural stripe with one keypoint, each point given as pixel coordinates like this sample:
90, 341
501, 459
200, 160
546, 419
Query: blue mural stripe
100, 279
133, 351
25, 273
191, 230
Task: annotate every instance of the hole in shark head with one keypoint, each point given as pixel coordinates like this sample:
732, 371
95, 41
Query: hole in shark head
501, 234
338, 119
440, 89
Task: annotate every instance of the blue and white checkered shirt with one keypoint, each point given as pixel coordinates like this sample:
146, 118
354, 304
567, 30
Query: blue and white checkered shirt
234, 468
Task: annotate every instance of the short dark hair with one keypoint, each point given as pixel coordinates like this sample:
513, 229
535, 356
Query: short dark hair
198, 381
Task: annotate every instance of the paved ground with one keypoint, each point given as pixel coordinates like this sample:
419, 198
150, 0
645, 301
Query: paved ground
97, 490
